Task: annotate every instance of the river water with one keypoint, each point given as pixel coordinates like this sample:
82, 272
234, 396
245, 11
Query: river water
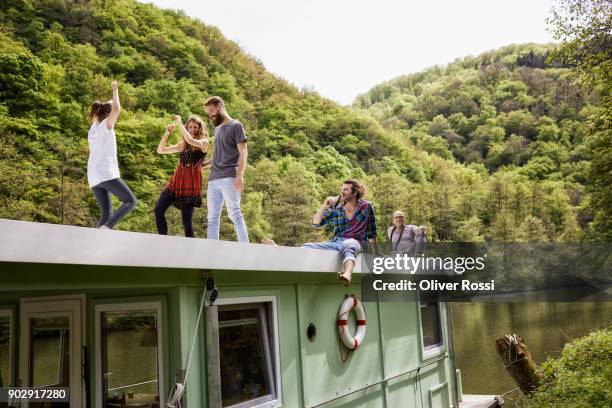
545, 327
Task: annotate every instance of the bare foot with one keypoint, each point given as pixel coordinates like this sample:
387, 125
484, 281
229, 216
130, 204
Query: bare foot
345, 278
268, 241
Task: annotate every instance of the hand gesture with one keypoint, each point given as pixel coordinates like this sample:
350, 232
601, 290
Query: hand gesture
330, 201
177, 119
170, 128
114, 85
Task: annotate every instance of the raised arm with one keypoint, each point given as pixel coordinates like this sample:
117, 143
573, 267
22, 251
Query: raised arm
116, 109
163, 149
202, 144
317, 219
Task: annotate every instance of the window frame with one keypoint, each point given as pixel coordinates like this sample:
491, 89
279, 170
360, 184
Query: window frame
9, 311
126, 305
428, 352
73, 306
271, 346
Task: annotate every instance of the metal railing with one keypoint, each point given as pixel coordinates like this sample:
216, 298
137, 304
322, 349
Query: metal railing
365, 387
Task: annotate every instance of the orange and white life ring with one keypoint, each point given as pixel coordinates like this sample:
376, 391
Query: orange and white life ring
349, 304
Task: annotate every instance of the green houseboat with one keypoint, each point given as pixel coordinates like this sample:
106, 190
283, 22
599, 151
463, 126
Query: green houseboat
113, 316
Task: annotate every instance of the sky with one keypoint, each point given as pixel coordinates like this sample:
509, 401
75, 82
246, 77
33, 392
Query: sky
342, 48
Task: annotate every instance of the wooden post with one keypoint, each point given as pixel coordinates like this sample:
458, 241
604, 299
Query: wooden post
518, 362
213, 360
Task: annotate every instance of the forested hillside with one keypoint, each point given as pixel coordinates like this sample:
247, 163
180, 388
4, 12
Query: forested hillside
489, 147
517, 112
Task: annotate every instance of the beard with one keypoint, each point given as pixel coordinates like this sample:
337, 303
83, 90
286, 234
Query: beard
345, 198
217, 119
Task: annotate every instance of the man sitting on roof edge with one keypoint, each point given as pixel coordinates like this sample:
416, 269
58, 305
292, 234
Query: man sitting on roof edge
354, 224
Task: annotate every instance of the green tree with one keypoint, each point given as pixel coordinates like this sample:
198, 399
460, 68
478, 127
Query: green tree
600, 173
470, 230
389, 193
584, 30
532, 230
504, 227
252, 209
295, 202
21, 82
328, 162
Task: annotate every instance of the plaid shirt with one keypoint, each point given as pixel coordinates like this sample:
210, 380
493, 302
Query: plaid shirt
361, 227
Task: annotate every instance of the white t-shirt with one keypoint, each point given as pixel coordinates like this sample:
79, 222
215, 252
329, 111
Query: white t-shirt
102, 164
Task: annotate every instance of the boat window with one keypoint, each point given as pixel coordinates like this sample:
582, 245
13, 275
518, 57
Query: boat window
5, 348
50, 351
247, 357
130, 360
431, 325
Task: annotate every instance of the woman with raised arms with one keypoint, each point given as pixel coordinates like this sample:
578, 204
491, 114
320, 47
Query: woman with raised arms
102, 167
184, 190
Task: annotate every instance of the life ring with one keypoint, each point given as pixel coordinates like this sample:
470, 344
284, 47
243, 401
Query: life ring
349, 304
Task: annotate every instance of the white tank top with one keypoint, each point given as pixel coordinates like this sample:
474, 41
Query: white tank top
102, 164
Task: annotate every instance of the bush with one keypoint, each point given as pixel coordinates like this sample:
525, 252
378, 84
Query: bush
580, 377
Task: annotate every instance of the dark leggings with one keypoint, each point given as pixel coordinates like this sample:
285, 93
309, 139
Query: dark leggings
164, 202
118, 188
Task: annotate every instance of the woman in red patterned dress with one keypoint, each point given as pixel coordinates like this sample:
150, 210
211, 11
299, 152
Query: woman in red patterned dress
184, 190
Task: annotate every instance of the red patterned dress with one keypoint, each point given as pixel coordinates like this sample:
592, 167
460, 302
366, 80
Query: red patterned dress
185, 186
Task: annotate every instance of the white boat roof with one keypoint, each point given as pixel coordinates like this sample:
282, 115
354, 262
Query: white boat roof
32, 242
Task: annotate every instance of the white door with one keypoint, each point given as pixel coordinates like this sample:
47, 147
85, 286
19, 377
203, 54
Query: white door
51, 347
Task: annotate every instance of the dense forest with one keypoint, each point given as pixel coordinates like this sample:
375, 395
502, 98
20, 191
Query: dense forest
493, 147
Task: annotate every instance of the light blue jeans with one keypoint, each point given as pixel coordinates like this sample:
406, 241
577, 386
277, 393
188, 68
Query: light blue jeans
220, 191
349, 248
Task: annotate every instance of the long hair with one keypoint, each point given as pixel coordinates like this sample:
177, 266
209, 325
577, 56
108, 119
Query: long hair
358, 188
99, 111
202, 132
